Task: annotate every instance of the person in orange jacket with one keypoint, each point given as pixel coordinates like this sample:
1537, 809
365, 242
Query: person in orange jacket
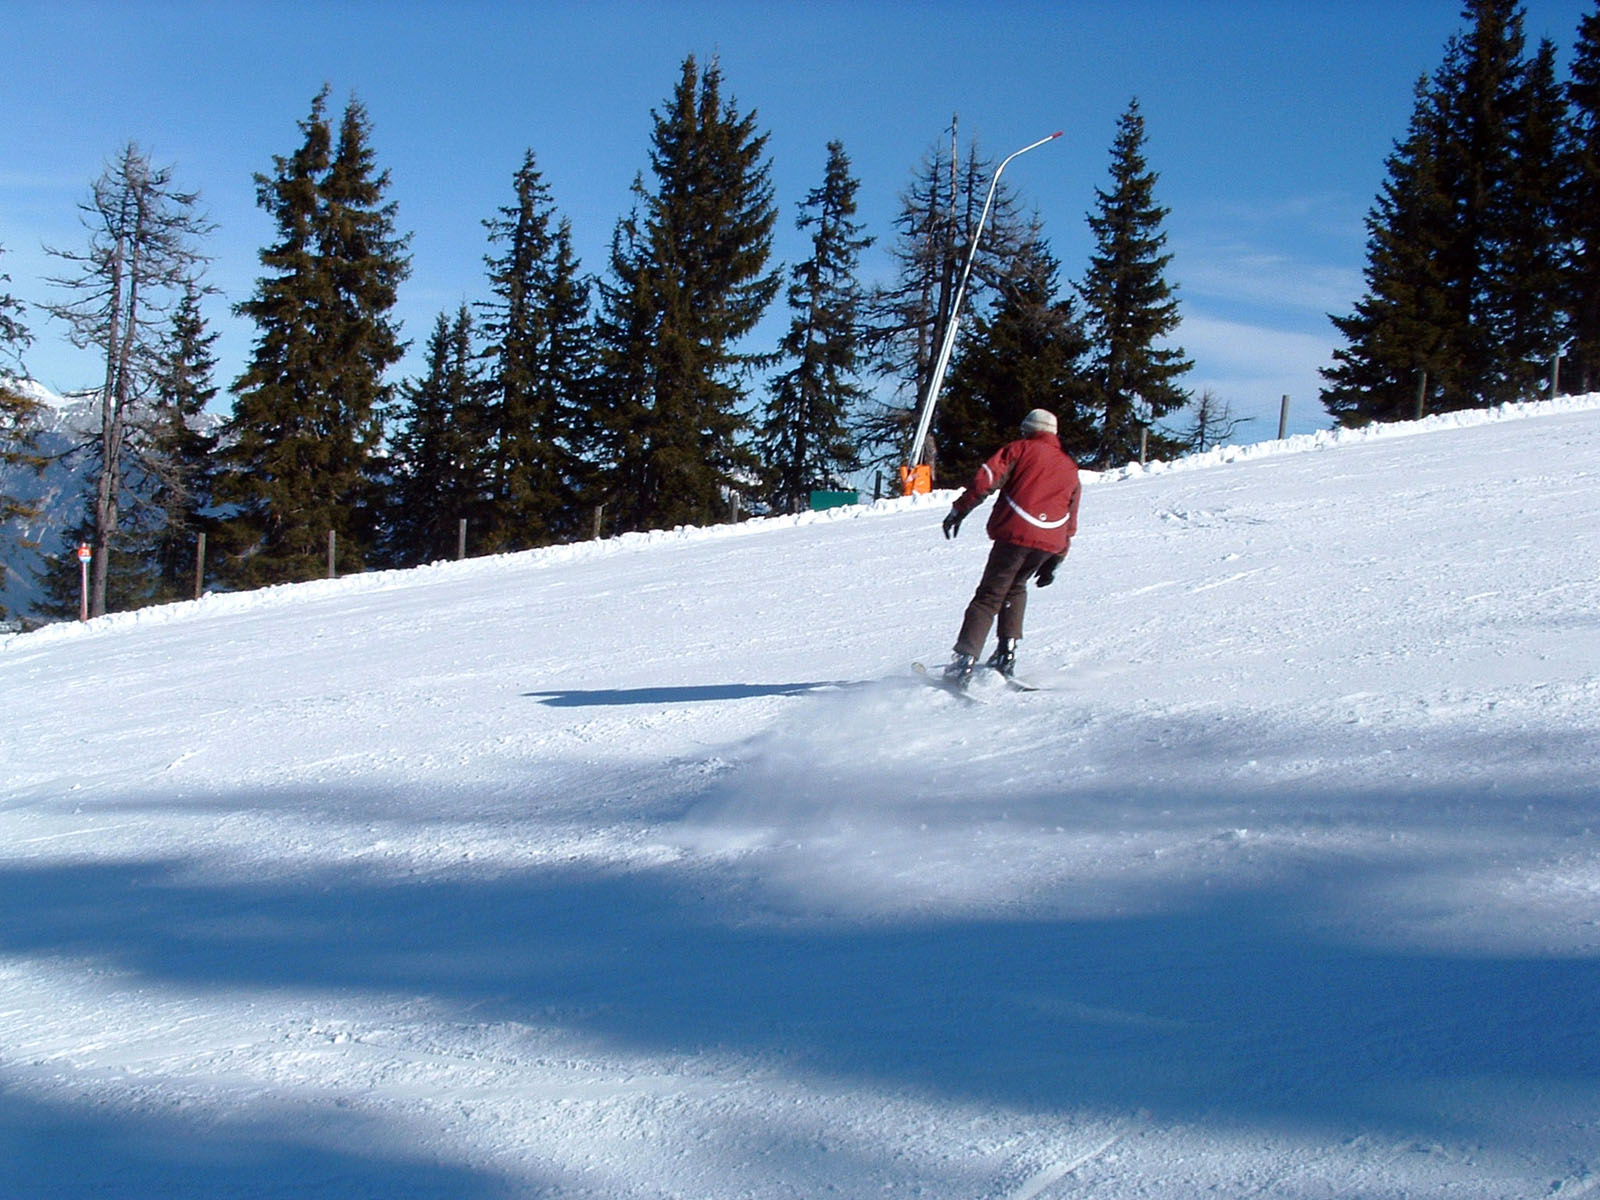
1034, 519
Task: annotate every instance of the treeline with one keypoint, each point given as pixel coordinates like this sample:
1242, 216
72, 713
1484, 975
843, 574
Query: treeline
566, 403
562, 404
1483, 254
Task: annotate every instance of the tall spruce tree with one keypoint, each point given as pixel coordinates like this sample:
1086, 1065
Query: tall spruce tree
1527, 239
1464, 250
306, 417
1129, 307
436, 447
688, 279
1581, 212
540, 364
1029, 351
142, 257
181, 458
806, 438
938, 219
1395, 339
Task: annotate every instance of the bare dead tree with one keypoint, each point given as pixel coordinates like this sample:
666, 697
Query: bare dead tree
141, 259
1213, 423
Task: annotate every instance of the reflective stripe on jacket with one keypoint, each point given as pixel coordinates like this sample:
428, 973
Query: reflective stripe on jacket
1037, 505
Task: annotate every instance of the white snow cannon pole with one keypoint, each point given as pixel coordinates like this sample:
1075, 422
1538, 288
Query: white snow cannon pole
943, 362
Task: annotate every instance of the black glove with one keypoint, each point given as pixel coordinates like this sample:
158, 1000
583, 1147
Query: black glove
1047, 573
952, 523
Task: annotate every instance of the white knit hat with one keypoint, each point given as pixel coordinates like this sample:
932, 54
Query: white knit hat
1039, 421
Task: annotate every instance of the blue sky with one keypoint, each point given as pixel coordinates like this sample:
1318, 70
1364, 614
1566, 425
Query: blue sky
1267, 123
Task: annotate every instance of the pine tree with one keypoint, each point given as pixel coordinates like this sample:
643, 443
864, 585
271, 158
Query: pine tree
19, 423
1395, 338
1129, 307
539, 356
1527, 239
613, 434
1495, 158
688, 280
806, 440
19, 412
436, 455
181, 456
1465, 244
1581, 211
1029, 352
14, 335
938, 219
19, 444
142, 254
306, 417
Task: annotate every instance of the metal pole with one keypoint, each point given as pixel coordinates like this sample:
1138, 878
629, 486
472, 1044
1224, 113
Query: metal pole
331, 555
461, 539
1283, 420
955, 309
84, 554
200, 564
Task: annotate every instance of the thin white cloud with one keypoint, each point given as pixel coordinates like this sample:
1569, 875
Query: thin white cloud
1241, 274
1250, 350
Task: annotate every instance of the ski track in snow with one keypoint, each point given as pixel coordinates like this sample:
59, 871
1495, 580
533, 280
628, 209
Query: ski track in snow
644, 868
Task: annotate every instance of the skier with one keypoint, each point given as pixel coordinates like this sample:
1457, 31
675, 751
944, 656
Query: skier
1035, 516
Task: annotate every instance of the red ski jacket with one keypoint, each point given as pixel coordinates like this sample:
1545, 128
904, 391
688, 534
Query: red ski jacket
1038, 502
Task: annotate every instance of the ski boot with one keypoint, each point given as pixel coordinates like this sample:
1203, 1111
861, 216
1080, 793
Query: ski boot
959, 673
1004, 658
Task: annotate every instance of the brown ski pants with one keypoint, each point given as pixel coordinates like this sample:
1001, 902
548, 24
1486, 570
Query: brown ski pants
1002, 592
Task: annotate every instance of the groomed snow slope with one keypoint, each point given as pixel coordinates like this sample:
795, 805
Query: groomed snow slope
644, 869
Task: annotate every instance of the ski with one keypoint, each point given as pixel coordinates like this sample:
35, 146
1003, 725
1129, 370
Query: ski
934, 678
1015, 684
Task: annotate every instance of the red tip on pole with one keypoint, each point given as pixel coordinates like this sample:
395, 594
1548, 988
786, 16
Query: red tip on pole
1057, 134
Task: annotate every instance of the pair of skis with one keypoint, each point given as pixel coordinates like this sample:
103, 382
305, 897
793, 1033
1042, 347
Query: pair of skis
935, 677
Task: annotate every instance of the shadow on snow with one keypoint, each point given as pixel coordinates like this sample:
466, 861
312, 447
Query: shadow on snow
97, 1149
609, 697
1222, 1004
1214, 1002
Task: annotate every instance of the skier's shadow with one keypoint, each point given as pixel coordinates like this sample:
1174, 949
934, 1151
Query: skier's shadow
607, 697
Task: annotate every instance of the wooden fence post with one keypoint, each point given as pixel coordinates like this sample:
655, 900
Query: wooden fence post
331, 550
200, 565
461, 539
